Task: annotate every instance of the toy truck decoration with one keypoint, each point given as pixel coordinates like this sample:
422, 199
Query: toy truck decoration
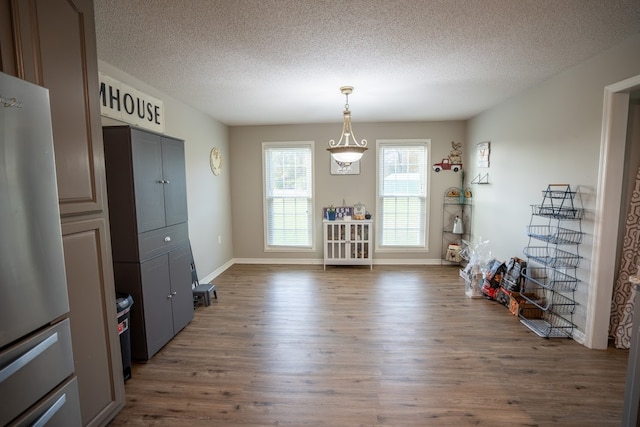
446, 165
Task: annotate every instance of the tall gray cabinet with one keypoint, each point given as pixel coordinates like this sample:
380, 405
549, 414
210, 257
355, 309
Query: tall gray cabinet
146, 186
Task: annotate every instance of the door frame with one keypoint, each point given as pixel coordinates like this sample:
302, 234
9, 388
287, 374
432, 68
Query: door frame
607, 210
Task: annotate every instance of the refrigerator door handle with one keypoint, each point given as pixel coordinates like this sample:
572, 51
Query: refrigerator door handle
57, 405
23, 360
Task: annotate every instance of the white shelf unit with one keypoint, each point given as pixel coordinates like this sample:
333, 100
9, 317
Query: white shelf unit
555, 233
348, 242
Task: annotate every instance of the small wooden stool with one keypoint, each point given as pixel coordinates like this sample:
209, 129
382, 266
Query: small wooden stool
204, 292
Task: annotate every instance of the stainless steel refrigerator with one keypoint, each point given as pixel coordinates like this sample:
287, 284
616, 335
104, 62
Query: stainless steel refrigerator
37, 381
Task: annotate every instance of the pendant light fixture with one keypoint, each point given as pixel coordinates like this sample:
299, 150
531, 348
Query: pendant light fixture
347, 150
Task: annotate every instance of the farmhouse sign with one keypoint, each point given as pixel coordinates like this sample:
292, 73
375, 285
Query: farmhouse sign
122, 102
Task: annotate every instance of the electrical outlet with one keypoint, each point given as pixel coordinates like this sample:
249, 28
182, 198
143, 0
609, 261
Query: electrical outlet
219, 239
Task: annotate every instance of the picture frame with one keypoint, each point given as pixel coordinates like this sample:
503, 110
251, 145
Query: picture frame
354, 169
483, 151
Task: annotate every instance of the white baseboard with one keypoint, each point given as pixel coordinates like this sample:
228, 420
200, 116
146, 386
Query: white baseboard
218, 271
309, 261
278, 261
578, 336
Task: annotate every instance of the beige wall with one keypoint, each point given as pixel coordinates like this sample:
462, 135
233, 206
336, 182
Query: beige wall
246, 182
208, 196
548, 134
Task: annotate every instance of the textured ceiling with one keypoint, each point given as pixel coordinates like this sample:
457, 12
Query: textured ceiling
282, 61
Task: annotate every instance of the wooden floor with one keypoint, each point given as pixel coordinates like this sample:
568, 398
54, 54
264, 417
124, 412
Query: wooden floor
396, 346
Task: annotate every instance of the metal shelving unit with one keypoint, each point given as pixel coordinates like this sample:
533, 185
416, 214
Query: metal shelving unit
456, 203
550, 278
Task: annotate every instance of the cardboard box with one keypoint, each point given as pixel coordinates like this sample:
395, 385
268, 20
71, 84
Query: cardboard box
519, 306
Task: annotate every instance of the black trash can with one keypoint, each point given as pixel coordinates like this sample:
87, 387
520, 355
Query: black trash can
124, 303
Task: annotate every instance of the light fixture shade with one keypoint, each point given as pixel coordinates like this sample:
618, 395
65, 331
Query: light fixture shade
347, 154
347, 150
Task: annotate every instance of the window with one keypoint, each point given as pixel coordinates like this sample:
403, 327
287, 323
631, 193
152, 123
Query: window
288, 195
402, 196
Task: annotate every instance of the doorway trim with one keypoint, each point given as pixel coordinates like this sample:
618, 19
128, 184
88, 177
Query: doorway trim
607, 210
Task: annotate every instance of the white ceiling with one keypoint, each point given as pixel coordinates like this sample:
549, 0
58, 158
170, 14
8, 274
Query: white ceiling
247, 62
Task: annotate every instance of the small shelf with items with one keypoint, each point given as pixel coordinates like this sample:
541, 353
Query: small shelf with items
456, 222
550, 278
348, 242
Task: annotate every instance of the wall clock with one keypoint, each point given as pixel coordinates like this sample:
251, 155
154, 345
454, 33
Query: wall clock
215, 161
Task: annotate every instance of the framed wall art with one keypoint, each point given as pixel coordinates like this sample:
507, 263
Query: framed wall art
338, 169
483, 151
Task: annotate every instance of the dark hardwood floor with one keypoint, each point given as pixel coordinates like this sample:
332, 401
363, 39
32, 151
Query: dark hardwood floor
396, 346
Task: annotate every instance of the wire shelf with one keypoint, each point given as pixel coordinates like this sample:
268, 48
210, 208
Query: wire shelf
552, 257
548, 301
548, 291
551, 279
555, 235
560, 191
549, 326
557, 212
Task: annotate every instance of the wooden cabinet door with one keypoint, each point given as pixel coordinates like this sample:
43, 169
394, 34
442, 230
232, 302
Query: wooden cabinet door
96, 346
148, 180
52, 43
182, 295
175, 190
156, 291
67, 65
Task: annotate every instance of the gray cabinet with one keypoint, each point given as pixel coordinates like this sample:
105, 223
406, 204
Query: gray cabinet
159, 179
168, 303
148, 171
146, 188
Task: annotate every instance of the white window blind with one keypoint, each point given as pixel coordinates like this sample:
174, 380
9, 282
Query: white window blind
288, 181
402, 193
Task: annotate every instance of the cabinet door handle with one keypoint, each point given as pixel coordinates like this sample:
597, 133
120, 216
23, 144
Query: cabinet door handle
174, 293
167, 239
166, 181
169, 296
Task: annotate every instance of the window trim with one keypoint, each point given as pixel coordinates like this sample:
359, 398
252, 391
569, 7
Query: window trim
265, 213
426, 142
